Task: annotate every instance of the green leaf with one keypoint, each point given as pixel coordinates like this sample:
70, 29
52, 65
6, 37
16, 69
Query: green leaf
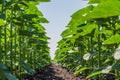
116, 65
44, 0
67, 33
26, 33
43, 20
6, 73
97, 1
88, 29
27, 68
113, 39
79, 17
65, 49
94, 1
105, 9
2, 22
81, 70
33, 9
94, 74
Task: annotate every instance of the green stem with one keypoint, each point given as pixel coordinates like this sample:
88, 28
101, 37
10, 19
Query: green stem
20, 53
114, 32
5, 47
3, 17
11, 41
0, 45
91, 50
3, 9
99, 48
15, 42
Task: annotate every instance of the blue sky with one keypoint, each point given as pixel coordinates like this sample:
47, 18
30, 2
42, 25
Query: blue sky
58, 13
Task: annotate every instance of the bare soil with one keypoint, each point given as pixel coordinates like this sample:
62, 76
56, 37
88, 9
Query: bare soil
55, 72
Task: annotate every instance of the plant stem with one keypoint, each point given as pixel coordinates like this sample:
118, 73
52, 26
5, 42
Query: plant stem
0, 46
5, 45
11, 32
99, 49
3, 17
15, 42
91, 47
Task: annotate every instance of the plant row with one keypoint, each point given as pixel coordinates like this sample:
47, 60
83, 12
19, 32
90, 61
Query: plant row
90, 45
23, 40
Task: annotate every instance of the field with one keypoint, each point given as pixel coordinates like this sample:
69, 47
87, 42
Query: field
89, 48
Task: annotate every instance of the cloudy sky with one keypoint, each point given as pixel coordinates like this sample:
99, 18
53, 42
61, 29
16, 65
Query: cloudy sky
58, 13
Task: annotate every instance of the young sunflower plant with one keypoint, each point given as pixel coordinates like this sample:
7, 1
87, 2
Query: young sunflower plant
23, 40
91, 43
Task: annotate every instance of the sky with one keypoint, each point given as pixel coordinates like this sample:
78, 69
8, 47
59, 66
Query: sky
58, 14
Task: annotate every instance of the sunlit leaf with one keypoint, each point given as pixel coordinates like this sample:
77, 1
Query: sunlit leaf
106, 9
88, 29
94, 74
43, 20
93, 1
2, 22
113, 39
67, 33
79, 17
80, 70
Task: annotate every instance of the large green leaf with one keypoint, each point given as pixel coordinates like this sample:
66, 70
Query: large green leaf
27, 68
79, 17
97, 1
5, 72
116, 65
88, 29
106, 9
113, 39
103, 10
33, 9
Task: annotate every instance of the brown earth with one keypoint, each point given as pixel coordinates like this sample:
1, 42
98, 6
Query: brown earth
54, 72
